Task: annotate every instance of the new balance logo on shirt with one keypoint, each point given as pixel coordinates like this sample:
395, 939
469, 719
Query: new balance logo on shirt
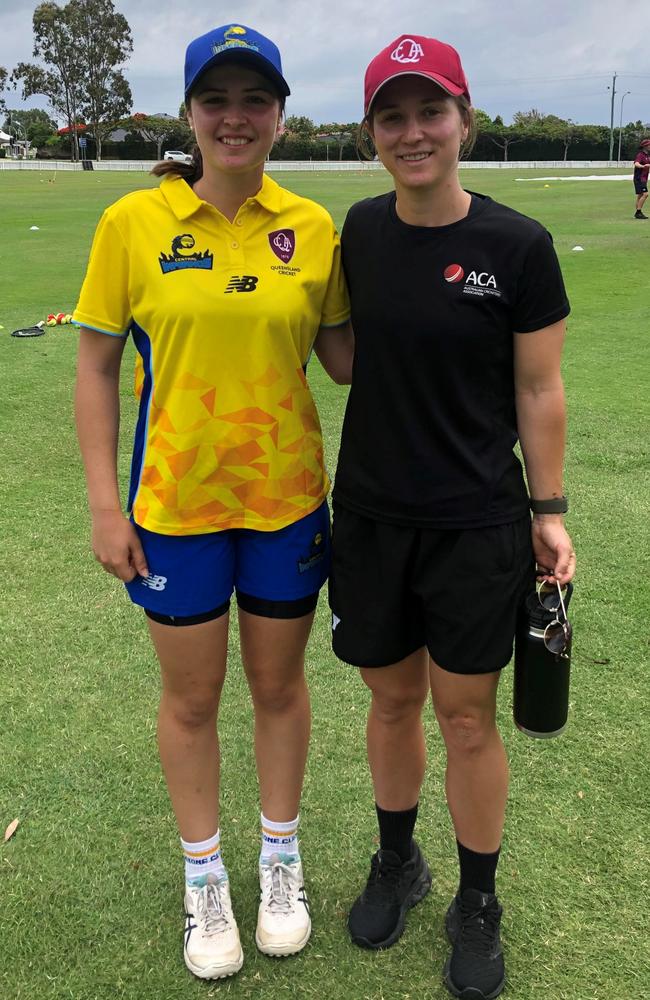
242, 283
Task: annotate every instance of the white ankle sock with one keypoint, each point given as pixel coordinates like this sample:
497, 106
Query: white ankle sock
203, 858
280, 839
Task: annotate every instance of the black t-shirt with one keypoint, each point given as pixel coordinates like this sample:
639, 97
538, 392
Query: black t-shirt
641, 173
430, 423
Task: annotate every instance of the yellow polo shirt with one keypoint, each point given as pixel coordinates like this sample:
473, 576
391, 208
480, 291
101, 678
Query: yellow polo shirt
224, 316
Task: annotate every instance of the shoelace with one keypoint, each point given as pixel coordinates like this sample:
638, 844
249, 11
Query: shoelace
210, 911
479, 927
282, 878
384, 878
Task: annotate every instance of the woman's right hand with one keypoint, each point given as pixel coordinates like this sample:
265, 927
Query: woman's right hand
116, 545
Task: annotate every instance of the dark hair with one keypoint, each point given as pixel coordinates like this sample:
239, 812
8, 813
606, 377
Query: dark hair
365, 145
192, 172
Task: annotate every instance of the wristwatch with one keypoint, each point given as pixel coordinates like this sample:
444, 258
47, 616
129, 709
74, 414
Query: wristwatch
556, 505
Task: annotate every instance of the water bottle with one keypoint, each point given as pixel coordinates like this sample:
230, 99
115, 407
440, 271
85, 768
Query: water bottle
541, 684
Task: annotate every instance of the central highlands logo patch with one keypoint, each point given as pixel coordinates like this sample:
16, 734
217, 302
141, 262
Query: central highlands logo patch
453, 273
181, 259
283, 244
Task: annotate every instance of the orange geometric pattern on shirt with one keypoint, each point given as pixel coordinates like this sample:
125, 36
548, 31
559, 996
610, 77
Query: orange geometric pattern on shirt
252, 466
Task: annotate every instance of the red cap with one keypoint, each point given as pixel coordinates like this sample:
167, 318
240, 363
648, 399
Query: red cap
418, 56
644, 142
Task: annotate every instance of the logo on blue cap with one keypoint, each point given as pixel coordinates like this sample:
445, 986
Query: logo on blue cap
208, 50
233, 38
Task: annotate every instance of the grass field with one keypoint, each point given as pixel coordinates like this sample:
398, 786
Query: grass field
90, 885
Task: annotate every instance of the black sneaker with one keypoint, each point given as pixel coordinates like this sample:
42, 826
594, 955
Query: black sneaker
475, 969
377, 917
640, 215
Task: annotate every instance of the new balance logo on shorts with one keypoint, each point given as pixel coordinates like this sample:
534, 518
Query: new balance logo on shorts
242, 283
154, 582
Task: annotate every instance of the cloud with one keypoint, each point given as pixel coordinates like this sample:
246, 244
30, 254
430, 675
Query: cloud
555, 56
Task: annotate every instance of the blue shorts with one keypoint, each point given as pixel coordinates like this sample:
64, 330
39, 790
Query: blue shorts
276, 574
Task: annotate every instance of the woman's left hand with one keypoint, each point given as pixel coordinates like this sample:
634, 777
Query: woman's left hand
556, 560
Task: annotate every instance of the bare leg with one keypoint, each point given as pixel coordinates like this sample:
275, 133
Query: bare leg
193, 667
273, 653
477, 768
395, 736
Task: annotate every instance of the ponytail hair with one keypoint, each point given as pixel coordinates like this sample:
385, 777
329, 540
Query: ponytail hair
190, 172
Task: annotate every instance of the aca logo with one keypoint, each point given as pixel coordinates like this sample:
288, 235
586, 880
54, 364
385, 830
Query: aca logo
453, 273
481, 278
408, 51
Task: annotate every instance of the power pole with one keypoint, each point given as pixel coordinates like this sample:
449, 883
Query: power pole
611, 125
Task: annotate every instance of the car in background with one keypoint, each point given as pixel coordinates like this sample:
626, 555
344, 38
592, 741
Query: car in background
178, 155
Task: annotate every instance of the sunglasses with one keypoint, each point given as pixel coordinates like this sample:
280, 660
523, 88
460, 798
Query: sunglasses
557, 634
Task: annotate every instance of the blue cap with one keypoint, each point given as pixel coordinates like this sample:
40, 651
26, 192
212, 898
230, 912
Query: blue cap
238, 43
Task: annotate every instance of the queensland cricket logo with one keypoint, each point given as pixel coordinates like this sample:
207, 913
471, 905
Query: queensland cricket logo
180, 259
283, 244
408, 51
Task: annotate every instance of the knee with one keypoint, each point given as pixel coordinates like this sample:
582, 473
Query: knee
466, 732
398, 707
274, 697
192, 712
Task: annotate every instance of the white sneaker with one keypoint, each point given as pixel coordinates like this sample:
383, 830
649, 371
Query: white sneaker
212, 949
283, 922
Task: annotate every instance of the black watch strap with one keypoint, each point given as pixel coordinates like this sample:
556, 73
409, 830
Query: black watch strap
556, 505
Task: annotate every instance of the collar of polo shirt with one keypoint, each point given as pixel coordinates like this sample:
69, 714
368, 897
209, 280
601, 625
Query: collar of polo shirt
184, 202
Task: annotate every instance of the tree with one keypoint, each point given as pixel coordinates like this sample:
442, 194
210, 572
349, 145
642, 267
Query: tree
341, 134
80, 46
3, 83
292, 146
505, 136
531, 120
103, 42
300, 125
158, 128
60, 79
483, 121
36, 123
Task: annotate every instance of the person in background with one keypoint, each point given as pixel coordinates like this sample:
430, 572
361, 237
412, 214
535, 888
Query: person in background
226, 282
641, 170
458, 310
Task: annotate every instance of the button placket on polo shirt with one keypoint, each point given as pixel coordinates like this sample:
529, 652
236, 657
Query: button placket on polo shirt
237, 256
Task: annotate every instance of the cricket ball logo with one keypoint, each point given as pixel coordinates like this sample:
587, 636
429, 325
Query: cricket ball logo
283, 244
453, 274
408, 51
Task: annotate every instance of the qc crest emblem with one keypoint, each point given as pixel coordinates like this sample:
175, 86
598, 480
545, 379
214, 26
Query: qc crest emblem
283, 244
408, 51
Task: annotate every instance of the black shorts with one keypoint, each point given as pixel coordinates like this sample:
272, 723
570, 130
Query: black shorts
641, 187
394, 589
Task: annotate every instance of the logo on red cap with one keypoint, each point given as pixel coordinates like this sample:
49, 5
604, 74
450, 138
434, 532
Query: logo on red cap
408, 51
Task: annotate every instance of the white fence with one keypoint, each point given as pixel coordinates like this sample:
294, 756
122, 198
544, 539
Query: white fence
324, 165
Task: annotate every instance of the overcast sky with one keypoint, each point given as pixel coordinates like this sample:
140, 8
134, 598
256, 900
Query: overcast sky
553, 55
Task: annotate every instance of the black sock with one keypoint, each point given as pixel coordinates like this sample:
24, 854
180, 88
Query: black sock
477, 871
396, 830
